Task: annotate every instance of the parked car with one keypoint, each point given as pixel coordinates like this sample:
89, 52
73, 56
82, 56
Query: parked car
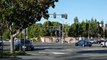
1, 44
93, 41
99, 41
103, 44
23, 44
83, 43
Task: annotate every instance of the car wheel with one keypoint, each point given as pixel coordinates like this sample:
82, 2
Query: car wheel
101, 45
32, 48
28, 48
16, 49
90, 45
76, 44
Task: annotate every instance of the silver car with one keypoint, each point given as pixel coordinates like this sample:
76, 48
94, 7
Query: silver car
103, 44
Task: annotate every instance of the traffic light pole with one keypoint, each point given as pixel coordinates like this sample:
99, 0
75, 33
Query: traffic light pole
62, 40
62, 16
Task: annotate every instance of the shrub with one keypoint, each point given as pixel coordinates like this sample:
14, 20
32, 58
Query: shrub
5, 54
20, 53
8, 54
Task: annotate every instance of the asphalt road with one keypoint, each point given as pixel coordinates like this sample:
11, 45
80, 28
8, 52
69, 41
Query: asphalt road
56, 51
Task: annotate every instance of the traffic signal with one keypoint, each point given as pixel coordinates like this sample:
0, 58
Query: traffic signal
54, 15
64, 16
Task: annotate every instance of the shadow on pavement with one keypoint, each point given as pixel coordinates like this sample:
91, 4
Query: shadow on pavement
86, 58
94, 51
38, 49
11, 58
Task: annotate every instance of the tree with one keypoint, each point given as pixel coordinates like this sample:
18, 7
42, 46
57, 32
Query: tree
2, 27
23, 13
90, 28
36, 30
105, 33
46, 26
51, 28
83, 30
76, 20
75, 27
66, 29
6, 35
57, 28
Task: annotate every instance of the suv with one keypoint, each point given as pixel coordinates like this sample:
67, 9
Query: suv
23, 44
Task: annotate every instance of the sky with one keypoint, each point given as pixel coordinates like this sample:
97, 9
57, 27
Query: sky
83, 9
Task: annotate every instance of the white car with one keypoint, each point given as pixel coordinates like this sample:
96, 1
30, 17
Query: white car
103, 44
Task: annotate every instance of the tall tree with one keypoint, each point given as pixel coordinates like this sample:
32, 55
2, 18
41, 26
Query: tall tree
66, 29
83, 28
23, 13
76, 20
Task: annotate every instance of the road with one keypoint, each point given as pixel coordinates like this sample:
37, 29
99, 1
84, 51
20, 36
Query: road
56, 51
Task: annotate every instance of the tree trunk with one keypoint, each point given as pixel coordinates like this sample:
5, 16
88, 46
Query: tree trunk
12, 44
12, 36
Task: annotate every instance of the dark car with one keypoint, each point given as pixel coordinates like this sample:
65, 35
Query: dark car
83, 43
1, 45
23, 44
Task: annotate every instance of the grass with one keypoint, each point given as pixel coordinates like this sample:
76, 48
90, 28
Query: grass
8, 54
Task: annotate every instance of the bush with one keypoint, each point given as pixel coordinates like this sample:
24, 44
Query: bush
8, 54
5, 54
20, 53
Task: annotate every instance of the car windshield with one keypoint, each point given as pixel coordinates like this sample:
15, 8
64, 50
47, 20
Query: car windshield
105, 40
25, 41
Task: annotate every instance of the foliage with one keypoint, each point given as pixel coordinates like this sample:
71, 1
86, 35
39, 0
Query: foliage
20, 53
49, 28
90, 28
20, 14
23, 13
8, 54
6, 35
105, 33
36, 31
